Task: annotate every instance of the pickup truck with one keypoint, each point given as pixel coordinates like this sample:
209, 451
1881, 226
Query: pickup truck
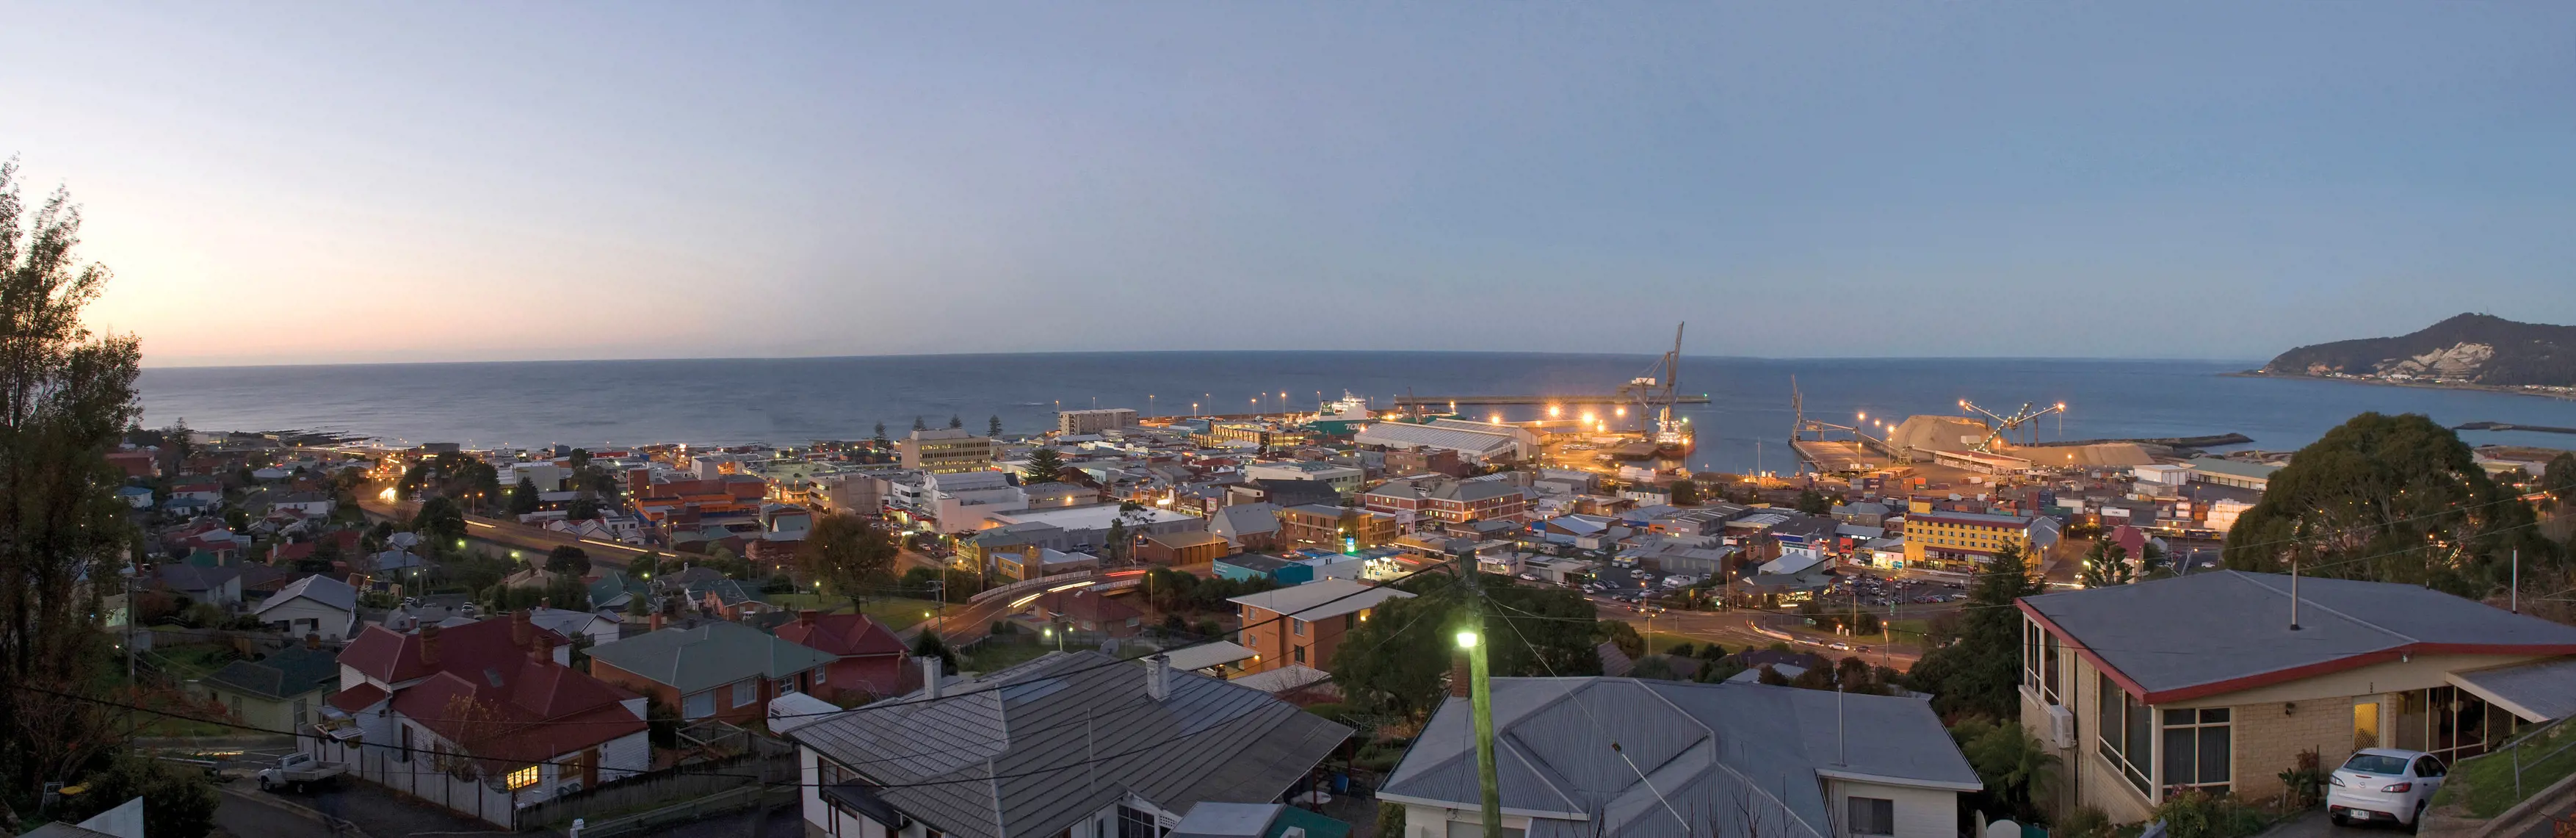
298, 772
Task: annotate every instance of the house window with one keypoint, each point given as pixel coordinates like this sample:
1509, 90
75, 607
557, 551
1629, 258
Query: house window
1872, 816
1296, 627
1350, 621
2127, 734
744, 692
1301, 654
1135, 824
404, 755
818, 674
2196, 748
698, 706
2049, 672
524, 777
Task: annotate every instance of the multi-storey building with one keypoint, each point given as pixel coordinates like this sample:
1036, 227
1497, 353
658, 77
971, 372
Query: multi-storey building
1447, 501
1936, 540
946, 451
1302, 625
1335, 527
1078, 422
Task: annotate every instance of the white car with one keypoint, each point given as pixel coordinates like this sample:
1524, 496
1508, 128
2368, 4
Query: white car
2384, 784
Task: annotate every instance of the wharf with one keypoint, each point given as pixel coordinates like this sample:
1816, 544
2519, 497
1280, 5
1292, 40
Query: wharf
1427, 401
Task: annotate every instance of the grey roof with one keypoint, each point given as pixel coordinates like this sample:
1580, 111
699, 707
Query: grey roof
707, 656
2232, 468
187, 577
1028, 751
1244, 519
2539, 692
2216, 632
319, 588
291, 672
1321, 599
1638, 758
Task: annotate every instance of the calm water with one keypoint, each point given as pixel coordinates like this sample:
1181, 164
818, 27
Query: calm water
799, 400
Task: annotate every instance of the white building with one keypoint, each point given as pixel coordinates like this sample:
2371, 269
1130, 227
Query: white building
1345, 480
312, 605
1080, 422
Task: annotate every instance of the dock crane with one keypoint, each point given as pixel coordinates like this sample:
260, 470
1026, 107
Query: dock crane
1659, 393
2005, 424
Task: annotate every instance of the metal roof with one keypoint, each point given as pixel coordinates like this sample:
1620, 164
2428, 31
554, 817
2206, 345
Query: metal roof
319, 588
1321, 598
708, 656
1598, 757
2219, 632
2539, 692
1030, 750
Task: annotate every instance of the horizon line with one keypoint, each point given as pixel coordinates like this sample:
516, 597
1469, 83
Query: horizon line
791, 358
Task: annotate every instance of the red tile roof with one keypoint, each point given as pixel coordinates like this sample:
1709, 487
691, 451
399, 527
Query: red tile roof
357, 698
532, 712
393, 657
845, 635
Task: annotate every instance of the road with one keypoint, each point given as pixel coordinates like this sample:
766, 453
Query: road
1737, 630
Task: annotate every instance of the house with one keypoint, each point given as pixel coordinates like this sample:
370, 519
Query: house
2218, 680
614, 589
1250, 566
727, 599
1085, 610
1182, 548
202, 492
217, 585
600, 628
1304, 624
315, 504
1247, 526
1162, 741
496, 692
283, 691
867, 658
1447, 501
1628, 758
317, 604
720, 670
137, 497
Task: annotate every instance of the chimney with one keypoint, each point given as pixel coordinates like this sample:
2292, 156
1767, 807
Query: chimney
929, 676
807, 616
313, 641
655, 623
1461, 679
1158, 677
429, 644
520, 628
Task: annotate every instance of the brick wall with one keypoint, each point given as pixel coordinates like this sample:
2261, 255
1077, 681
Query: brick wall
2268, 740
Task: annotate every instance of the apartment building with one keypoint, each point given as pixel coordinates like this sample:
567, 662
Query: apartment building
1316, 615
946, 451
1080, 422
1939, 540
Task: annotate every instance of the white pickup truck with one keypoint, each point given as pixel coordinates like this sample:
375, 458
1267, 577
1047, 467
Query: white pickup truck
298, 772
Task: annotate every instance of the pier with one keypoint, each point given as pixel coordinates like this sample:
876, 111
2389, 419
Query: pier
1431, 401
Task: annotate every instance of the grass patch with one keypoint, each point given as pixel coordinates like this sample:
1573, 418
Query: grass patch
2484, 785
1011, 650
189, 662
895, 612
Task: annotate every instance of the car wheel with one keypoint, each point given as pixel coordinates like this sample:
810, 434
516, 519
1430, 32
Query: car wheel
2338, 819
264, 784
2417, 824
299, 787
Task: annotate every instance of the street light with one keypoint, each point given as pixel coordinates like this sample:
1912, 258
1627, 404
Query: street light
1466, 639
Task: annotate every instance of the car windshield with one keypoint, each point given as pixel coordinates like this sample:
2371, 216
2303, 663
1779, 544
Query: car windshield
2377, 764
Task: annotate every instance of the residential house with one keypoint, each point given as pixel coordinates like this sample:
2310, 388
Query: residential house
282, 691
600, 628
1247, 526
136, 497
1162, 741
1182, 548
728, 599
1629, 758
614, 589
496, 691
867, 658
1084, 610
1304, 624
1336, 527
2218, 680
720, 670
317, 605
315, 504
217, 585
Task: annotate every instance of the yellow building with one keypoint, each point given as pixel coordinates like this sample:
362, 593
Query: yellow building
946, 451
1963, 540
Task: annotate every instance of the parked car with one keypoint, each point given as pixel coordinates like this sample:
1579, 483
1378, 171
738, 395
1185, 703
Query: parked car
299, 772
2384, 784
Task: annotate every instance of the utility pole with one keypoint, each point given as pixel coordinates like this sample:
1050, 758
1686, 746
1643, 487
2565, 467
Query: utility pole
1481, 695
2515, 598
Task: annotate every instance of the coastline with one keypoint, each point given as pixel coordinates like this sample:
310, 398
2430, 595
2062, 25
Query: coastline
2420, 385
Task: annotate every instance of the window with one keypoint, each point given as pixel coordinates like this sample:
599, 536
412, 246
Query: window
1135, 824
818, 674
2426, 766
698, 706
1350, 621
1872, 816
1296, 627
1301, 654
2049, 673
404, 755
2196, 749
524, 777
2127, 732
302, 712
744, 692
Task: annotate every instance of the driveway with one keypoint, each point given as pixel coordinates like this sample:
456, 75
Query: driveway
376, 811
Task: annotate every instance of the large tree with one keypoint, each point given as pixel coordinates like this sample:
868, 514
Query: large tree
65, 395
1045, 466
2392, 499
849, 553
1397, 658
1978, 671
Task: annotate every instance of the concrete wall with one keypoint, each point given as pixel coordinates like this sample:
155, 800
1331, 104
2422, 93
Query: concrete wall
1920, 813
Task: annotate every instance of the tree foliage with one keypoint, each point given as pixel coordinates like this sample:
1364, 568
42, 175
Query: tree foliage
1398, 658
523, 497
178, 802
569, 560
2107, 564
440, 521
2559, 479
2018, 770
928, 645
1813, 502
65, 397
2390, 499
848, 553
1978, 672
1045, 466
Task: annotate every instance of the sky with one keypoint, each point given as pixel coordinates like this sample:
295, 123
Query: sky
363, 182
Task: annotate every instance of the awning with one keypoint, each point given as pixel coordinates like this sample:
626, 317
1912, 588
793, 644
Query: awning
1206, 655
2538, 692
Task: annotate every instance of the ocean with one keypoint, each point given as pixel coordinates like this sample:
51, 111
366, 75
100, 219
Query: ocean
798, 400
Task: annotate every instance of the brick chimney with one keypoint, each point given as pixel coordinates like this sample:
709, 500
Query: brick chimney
929, 676
1158, 677
655, 622
1461, 678
429, 644
520, 627
806, 617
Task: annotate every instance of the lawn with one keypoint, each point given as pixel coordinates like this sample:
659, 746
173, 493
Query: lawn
895, 612
2484, 785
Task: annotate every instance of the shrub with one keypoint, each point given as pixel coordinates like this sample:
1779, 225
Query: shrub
2198, 814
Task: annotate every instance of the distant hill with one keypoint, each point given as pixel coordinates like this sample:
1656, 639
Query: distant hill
2467, 349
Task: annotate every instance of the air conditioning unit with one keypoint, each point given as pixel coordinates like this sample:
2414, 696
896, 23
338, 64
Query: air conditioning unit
2061, 726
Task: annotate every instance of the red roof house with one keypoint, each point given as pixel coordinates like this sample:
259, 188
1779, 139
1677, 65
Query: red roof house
871, 659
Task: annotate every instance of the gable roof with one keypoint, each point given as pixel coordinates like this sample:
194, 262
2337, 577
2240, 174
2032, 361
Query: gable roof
975, 763
1321, 598
290, 672
393, 657
188, 577
318, 588
845, 635
1627, 758
533, 710
2237, 636
709, 655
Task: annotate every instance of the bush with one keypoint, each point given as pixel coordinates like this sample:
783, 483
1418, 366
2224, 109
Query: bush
2084, 822
178, 802
2197, 814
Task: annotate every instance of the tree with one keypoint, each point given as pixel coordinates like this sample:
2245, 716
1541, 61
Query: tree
1397, 658
1979, 672
919, 425
993, 426
2107, 564
2390, 499
65, 395
643, 566
1685, 493
2559, 479
1045, 466
523, 497
2017, 768
928, 645
880, 438
580, 459
568, 559
582, 508
955, 421
440, 521
177, 802
1813, 502
847, 552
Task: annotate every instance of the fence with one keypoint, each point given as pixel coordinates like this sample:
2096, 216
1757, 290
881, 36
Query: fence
2543, 735
419, 778
741, 798
693, 782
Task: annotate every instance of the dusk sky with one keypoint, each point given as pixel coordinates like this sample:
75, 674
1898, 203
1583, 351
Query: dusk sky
319, 183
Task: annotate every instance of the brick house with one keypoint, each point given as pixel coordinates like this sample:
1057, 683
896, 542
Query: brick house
1334, 527
1447, 501
867, 658
1183, 548
716, 670
1317, 614
2203, 682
